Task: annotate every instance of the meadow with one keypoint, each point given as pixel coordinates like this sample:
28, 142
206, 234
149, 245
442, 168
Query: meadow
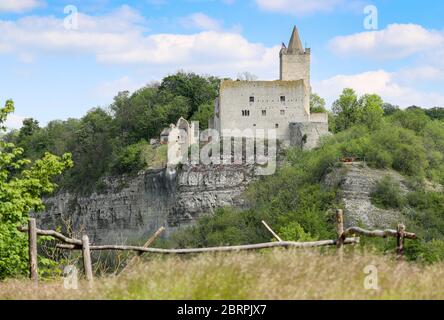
271, 274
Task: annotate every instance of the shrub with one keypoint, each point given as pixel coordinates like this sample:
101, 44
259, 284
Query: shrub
414, 119
129, 159
294, 232
387, 194
379, 157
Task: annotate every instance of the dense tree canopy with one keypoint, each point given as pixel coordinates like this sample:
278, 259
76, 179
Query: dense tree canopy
101, 141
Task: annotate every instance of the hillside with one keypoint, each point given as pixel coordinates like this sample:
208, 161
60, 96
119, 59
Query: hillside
401, 181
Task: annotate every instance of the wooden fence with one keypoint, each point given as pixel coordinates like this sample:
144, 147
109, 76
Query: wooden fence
345, 237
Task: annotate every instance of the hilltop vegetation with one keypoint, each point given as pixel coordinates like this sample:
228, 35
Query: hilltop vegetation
300, 206
115, 140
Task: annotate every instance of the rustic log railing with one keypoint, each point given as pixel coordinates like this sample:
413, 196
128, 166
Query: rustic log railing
344, 238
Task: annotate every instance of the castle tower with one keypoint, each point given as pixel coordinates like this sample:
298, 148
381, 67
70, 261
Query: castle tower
295, 64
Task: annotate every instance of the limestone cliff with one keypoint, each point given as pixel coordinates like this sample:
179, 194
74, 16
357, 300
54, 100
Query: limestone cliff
132, 208
356, 182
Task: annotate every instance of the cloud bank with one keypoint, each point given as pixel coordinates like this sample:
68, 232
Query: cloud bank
304, 7
394, 42
17, 6
121, 38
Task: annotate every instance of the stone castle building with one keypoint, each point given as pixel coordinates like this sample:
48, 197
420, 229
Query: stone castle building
282, 104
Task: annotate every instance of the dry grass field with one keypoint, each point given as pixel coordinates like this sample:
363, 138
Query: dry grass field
274, 274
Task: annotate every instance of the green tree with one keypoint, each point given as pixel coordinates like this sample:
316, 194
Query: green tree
196, 89
347, 110
22, 185
93, 151
317, 104
414, 118
389, 109
30, 126
203, 114
435, 113
371, 110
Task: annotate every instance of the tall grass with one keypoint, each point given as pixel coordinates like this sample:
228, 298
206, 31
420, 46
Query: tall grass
274, 274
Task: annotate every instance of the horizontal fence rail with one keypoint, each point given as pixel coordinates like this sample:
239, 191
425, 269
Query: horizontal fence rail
347, 237
284, 244
376, 233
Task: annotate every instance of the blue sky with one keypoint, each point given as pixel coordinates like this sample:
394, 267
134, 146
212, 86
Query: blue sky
54, 70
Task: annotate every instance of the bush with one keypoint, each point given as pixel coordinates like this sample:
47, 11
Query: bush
428, 252
413, 119
379, 157
294, 232
130, 159
387, 194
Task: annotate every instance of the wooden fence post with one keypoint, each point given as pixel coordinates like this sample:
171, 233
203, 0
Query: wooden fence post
87, 260
271, 231
340, 231
400, 242
150, 241
32, 238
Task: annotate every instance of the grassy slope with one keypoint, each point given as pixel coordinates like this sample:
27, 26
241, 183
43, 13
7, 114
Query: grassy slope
276, 274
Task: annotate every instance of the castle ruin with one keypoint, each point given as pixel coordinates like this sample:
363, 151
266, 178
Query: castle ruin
283, 105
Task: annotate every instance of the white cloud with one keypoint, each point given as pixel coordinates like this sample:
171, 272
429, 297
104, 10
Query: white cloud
420, 73
120, 38
394, 42
201, 21
14, 121
18, 5
380, 82
301, 7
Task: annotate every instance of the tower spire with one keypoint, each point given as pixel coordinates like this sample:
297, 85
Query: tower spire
295, 44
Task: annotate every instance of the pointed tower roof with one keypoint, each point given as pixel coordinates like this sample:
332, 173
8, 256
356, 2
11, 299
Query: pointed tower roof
295, 43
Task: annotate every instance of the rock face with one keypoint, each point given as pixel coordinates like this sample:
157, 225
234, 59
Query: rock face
356, 182
132, 208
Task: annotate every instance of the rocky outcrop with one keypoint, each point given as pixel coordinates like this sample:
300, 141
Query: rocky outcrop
356, 182
132, 208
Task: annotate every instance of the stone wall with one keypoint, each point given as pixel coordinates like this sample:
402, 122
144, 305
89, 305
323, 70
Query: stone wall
306, 135
267, 111
132, 208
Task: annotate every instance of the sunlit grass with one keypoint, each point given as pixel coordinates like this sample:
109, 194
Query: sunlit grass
275, 274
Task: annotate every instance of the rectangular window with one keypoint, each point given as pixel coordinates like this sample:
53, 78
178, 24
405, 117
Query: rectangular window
251, 99
245, 113
276, 125
264, 112
282, 112
282, 98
